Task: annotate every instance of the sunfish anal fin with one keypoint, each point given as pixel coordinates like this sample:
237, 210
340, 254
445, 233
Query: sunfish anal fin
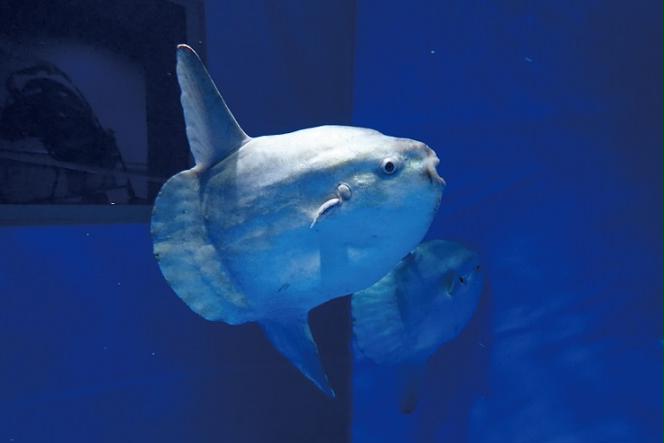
292, 337
188, 260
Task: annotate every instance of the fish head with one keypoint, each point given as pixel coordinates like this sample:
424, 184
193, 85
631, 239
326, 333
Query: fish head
448, 270
459, 282
388, 191
398, 174
440, 272
464, 279
442, 282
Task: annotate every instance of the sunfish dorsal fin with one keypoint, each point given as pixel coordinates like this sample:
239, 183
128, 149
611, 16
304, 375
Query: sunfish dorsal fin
212, 131
292, 337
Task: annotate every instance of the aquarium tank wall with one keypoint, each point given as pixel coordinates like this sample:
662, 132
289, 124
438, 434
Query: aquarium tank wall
546, 118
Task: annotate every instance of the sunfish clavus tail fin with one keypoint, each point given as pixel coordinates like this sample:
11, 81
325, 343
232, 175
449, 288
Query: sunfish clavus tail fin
378, 329
212, 131
292, 337
188, 260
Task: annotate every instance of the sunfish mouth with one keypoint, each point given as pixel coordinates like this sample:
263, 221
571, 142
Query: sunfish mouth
432, 173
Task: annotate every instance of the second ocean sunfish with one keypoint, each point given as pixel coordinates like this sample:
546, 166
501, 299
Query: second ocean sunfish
264, 229
424, 302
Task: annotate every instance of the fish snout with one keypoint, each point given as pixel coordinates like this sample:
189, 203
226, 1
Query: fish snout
431, 161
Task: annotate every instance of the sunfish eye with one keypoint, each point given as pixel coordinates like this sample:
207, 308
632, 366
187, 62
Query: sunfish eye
389, 166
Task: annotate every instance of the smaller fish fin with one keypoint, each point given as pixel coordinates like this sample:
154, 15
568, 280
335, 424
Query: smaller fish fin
378, 327
292, 337
212, 131
411, 376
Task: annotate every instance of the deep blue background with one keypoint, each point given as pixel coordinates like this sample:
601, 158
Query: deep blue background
547, 117
94, 345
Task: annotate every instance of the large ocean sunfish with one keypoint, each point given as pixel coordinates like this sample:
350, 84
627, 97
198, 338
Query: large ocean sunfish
264, 229
423, 303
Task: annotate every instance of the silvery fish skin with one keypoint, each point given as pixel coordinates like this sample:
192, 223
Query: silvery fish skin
262, 205
264, 229
424, 302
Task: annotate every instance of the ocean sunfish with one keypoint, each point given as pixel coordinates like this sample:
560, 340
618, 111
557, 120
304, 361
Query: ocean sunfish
407, 315
264, 229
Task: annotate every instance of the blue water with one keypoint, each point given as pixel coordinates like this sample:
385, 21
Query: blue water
547, 118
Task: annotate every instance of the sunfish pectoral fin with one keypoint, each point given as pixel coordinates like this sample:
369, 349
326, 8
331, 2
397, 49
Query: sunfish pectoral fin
212, 131
323, 209
292, 337
411, 375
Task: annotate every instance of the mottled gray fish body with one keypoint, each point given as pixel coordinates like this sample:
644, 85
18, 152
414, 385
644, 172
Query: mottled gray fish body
264, 216
423, 303
264, 229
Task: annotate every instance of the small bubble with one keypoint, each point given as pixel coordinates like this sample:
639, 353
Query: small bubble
154, 353
118, 283
528, 59
87, 234
433, 51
